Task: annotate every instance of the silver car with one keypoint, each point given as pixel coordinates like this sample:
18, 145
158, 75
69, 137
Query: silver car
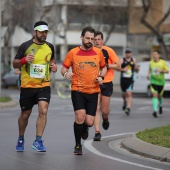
10, 79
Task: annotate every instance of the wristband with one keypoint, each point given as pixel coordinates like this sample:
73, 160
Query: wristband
65, 74
23, 61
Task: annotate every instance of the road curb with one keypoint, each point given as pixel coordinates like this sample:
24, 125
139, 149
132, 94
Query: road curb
8, 104
137, 146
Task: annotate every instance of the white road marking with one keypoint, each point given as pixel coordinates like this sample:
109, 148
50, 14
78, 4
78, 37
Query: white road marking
145, 108
88, 145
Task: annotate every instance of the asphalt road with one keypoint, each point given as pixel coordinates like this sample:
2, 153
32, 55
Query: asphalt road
59, 138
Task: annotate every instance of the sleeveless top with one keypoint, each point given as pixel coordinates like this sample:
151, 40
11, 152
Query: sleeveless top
129, 74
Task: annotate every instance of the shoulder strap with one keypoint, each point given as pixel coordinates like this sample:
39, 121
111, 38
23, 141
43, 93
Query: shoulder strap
106, 55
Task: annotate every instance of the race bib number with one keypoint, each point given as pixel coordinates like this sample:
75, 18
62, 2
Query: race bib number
127, 74
37, 71
155, 72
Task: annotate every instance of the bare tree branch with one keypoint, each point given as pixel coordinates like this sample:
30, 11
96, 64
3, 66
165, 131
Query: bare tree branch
163, 19
109, 32
155, 29
146, 8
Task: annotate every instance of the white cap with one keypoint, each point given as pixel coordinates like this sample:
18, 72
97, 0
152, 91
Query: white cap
41, 28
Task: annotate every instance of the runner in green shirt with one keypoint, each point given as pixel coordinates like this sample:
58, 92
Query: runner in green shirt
157, 69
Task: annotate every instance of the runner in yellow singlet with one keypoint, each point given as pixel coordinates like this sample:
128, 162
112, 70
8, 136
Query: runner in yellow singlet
157, 69
35, 58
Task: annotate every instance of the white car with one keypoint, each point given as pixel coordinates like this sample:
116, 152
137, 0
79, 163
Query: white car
142, 84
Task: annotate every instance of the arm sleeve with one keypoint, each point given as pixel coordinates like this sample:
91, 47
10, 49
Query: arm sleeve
166, 66
21, 52
113, 57
53, 52
68, 60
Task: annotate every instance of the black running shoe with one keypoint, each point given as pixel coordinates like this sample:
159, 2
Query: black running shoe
105, 124
85, 133
124, 105
97, 136
127, 111
160, 110
78, 150
155, 114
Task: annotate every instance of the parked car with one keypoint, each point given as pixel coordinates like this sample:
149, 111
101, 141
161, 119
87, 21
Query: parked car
10, 79
142, 84
4, 69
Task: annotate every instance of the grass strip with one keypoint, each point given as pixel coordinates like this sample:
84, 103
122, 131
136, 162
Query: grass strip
157, 136
5, 99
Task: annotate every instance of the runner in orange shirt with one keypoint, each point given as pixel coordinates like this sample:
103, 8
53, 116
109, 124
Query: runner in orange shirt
107, 86
86, 61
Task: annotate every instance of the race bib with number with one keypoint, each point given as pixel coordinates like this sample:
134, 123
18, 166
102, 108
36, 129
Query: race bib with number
37, 71
127, 74
155, 72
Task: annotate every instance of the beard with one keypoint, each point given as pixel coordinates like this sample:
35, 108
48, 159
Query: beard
87, 45
40, 39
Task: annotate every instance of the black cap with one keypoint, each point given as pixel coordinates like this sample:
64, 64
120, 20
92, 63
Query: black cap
128, 50
40, 23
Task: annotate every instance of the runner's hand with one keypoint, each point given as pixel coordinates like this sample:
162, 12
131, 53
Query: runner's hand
69, 75
29, 58
100, 80
53, 67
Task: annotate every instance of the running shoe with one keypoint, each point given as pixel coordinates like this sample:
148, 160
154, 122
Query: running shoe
160, 110
124, 105
78, 150
105, 124
127, 111
20, 145
38, 146
85, 133
97, 136
155, 114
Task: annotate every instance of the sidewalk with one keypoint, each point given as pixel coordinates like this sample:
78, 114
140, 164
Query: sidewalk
8, 104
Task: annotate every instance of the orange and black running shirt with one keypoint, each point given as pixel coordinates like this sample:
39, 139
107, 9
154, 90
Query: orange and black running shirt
37, 73
85, 65
112, 58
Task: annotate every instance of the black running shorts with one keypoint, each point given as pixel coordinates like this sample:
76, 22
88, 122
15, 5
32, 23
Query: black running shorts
85, 101
31, 96
126, 85
157, 88
106, 89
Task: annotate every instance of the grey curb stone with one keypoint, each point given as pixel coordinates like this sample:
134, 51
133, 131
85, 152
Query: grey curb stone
137, 146
8, 104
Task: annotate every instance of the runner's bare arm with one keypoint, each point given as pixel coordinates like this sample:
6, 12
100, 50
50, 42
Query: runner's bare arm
114, 66
53, 66
66, 74
17, 63
136, 66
